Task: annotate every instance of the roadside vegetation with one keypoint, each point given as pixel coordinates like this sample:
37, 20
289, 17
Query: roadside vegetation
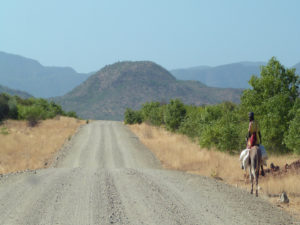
23, 145
33, 110
207, 139
273, 97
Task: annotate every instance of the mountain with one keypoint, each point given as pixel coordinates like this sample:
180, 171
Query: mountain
10, 91
107, 93
29, 75
235, 75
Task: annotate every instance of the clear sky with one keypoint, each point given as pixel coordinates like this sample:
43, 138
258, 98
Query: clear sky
88, 34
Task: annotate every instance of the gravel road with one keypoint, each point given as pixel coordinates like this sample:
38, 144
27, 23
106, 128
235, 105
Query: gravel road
104, 175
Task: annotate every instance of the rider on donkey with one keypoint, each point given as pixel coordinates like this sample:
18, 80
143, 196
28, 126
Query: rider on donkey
254, 136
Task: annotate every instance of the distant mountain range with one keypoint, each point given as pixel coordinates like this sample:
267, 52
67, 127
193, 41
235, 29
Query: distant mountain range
13, 92
107, 93
235, 75
20, 73
29, 75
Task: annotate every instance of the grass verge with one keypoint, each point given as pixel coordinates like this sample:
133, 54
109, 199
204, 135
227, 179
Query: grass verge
23, 147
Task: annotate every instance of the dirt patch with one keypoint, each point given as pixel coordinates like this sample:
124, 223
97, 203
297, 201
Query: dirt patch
23, 147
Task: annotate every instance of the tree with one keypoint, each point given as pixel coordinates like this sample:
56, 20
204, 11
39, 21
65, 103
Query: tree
33, 114
13, 109
152, 112
272, 96
292, 139
4, 107
174, 114
132, 117
69, 114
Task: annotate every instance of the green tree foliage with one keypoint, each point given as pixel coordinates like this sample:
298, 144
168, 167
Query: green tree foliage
13, 109
33, 110
216, 126
292, 138
69, 114
192, 125
271, 98
4, 107
132, 117
222, 134
33, 114
174, 114
152, 112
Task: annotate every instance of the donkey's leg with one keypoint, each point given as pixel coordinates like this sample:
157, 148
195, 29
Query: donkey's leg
262, 170
256, 181
251, 178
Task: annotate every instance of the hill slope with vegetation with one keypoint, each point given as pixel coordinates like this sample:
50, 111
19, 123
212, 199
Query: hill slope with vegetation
10, 91
29, 75
107, 93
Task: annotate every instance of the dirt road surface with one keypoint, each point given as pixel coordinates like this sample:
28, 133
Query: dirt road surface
106, 176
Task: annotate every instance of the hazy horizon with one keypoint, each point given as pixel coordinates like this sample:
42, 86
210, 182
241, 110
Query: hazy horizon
87, 35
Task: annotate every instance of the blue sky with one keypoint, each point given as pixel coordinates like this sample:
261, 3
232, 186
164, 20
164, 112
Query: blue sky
89, 34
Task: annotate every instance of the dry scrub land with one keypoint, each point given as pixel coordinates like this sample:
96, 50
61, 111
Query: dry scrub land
23, 147
180, 153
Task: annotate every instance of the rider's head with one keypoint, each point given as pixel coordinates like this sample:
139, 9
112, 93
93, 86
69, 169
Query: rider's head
251, 116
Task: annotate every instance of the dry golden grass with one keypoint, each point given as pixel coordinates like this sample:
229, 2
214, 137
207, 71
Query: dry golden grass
178, 152
282, 160
23, 147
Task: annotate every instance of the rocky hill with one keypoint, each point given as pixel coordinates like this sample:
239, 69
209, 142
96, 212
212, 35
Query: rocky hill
107, 93
29, 75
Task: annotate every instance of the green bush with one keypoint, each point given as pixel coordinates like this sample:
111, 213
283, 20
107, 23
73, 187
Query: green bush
132, 117
152, 112
224, 134
70, 114
13, 109
4, 107
192, 124
33, 114
25, 102
292, 138
31, 109
174, 114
